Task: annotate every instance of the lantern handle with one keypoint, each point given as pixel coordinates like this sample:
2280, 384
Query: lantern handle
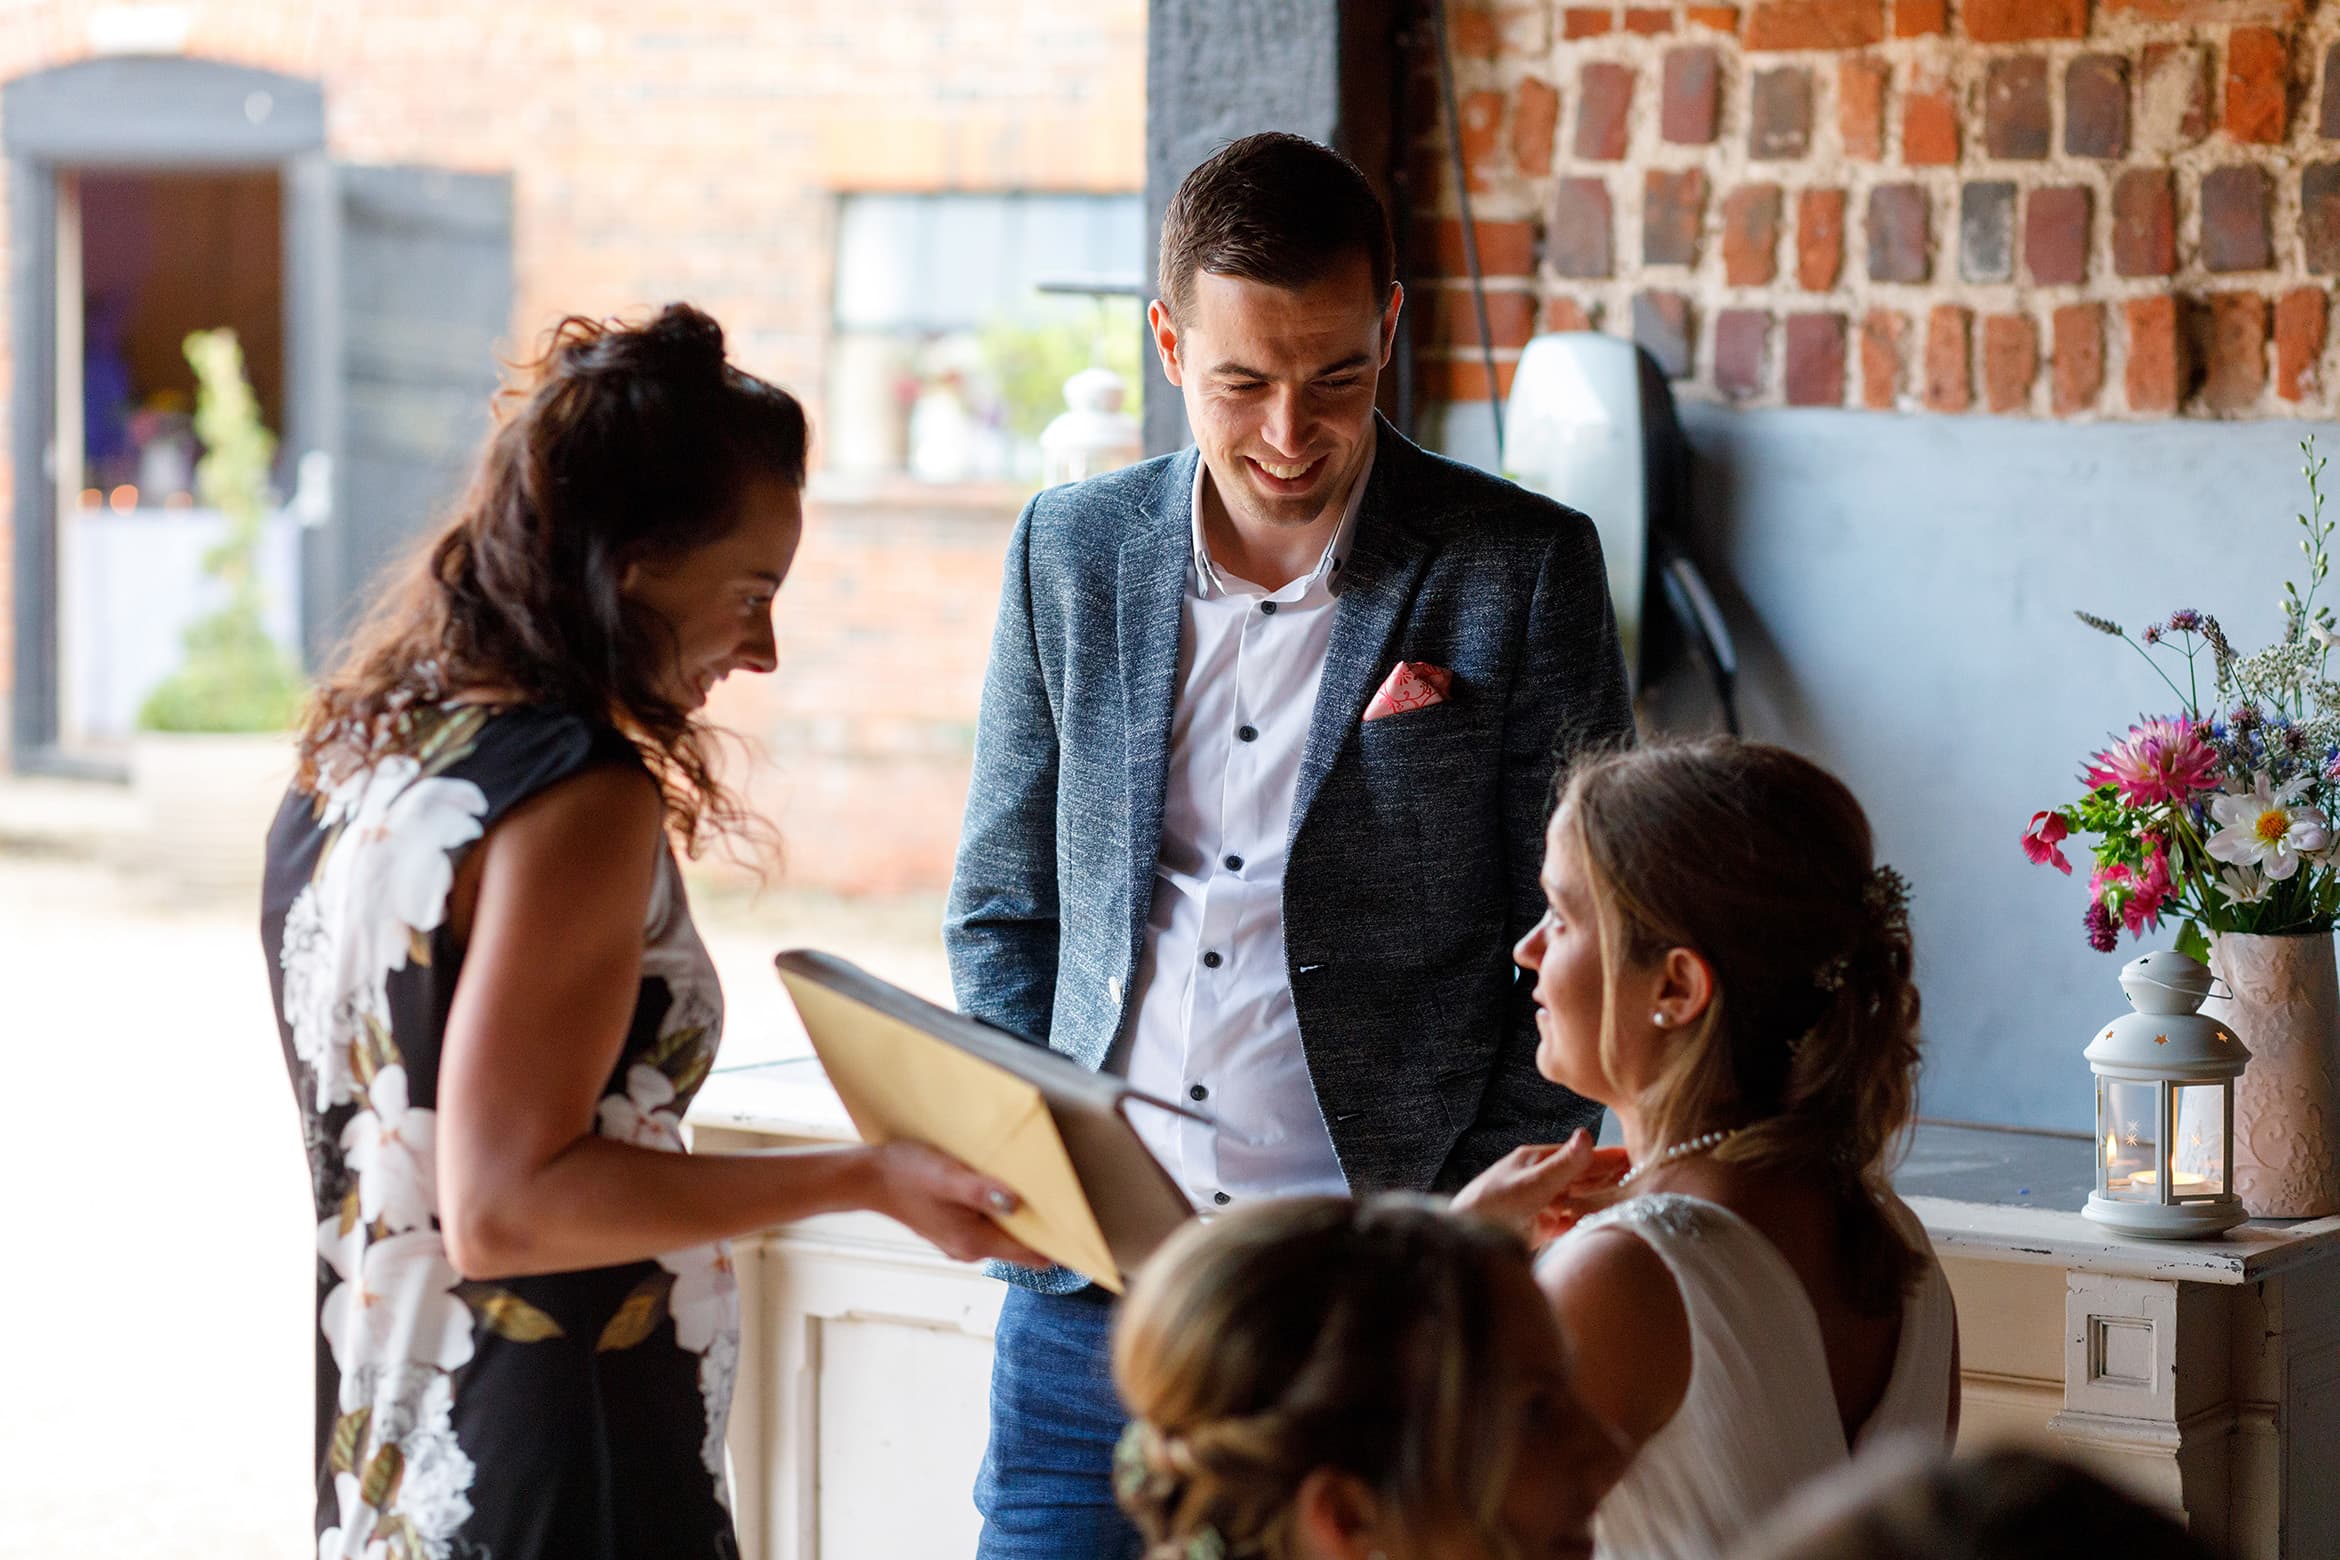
2216, 981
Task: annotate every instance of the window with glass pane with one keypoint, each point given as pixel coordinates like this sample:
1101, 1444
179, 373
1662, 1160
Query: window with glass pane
2198, 1145
2129, 1116
946, 360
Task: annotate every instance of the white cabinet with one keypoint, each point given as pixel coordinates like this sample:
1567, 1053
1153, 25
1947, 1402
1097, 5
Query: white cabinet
2204, 1375
865, 1360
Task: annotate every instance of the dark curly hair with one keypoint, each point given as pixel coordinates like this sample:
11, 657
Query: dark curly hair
619, 444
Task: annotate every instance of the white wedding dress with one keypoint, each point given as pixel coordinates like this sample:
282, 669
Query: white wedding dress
1759, 1417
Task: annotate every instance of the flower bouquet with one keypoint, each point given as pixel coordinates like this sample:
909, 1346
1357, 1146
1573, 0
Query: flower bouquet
2219, 815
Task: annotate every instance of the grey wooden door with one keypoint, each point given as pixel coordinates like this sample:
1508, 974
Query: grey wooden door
404, 277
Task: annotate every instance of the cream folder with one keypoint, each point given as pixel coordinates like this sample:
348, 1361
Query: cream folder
1093, 1199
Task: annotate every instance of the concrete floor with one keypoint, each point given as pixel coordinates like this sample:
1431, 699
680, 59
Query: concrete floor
156, 1303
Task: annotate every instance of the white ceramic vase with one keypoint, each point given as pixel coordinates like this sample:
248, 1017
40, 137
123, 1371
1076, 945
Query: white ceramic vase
2286, 1008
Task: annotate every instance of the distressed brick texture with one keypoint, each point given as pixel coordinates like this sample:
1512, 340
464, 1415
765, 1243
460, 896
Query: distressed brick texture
1693, 95
1884, 352
1949, 376
2096, 107
2034, 208
1819, 239
1815, 360
1860, 107
2078, 357
2301, 320
1751, 222
2010, 362
1741, 340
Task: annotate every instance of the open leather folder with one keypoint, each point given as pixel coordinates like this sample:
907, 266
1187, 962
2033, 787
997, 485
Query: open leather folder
1093, 1198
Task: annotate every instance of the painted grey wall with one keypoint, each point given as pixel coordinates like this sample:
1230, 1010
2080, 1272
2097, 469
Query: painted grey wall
1902, 590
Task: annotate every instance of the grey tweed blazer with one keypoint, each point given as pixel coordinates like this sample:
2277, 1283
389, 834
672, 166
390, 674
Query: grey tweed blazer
1416, 839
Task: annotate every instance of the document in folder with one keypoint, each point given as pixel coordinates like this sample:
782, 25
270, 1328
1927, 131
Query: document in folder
1093, 1199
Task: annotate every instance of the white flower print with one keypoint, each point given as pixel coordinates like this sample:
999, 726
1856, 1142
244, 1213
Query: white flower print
718, 1368
387, 876
391, 1147
704, 1303
705, 1299
434, 1492
396, 1306
309, 996
353, 1538
641, 1115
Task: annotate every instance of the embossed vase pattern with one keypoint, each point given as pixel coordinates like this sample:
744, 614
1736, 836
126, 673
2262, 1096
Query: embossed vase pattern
2286, 1008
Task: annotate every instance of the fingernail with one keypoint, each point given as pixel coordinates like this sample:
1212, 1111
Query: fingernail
1000, 1201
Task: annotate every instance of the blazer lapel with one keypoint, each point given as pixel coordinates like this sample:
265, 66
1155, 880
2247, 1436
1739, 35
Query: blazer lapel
1385, 564
1156, 558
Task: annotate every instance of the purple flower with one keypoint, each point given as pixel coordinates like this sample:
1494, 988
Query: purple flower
2103, 936
2294, 740
2185, 620
2246, 717
2152, 633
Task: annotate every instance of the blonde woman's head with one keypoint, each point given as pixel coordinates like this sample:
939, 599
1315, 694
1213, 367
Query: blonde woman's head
1314, 1377
1721, 950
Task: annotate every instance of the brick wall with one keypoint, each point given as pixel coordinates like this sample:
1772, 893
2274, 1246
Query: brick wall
665, 151
2046, 208
864, 739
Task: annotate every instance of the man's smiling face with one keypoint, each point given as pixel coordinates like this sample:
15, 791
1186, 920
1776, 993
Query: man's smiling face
1279, 383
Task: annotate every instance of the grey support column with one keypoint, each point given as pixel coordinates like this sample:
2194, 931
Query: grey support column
1219, 69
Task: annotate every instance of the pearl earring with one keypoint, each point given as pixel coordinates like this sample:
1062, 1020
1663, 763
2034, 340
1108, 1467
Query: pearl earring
1659, 1019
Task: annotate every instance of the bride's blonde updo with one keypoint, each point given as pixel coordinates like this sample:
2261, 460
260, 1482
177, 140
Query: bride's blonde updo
1311, 1333
1761, 863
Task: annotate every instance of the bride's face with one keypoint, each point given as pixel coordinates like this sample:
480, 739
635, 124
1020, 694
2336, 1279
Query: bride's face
1563, 952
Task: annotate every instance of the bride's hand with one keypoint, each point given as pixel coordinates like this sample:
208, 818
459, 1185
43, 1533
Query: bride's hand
1537, 1188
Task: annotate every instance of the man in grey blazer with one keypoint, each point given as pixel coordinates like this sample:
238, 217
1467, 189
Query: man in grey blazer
1268, 740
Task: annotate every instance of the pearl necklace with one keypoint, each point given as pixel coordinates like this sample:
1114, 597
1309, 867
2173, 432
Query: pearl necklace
1681, 1150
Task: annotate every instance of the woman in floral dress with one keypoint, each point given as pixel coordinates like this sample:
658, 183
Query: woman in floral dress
493, 1004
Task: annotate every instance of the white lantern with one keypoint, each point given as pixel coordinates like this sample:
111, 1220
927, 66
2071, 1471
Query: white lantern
2165, 1107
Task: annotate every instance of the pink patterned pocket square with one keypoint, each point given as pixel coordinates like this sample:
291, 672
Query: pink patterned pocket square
1412, 685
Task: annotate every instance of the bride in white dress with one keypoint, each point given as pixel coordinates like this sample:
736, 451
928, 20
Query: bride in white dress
1722, 964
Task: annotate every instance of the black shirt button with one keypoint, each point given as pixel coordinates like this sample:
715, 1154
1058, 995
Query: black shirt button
1198, 1092
1212, 961
1268, 607
1248, 733
1234, 863
1221, 1198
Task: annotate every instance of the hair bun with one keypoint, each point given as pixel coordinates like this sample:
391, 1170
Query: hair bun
679, 347
684, 338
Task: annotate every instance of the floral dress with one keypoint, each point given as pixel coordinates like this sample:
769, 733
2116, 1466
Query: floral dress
577, 1415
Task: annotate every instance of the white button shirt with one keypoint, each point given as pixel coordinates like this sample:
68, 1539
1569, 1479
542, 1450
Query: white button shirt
1212, 1024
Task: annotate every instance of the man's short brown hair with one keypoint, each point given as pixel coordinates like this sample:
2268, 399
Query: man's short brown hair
1272, 208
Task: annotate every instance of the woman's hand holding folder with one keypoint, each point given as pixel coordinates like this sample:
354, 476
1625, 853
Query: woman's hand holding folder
946, 1203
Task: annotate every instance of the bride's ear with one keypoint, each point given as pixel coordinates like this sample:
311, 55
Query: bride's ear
1336, 1516
1685, 988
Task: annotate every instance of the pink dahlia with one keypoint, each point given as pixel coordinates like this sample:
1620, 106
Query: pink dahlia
2039, 841
2158, 761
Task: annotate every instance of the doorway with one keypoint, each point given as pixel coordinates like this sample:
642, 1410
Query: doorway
151, 196
146, 259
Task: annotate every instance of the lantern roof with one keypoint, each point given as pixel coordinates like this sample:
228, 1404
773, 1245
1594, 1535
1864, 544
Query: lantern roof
2165, 1037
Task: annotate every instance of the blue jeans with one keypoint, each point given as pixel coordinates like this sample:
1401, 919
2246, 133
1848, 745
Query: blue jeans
1046, 1489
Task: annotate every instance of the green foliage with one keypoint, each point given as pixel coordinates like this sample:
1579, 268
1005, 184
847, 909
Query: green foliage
233, 677
1031, 361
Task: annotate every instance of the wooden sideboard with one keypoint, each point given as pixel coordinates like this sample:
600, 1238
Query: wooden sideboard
2204, 1375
